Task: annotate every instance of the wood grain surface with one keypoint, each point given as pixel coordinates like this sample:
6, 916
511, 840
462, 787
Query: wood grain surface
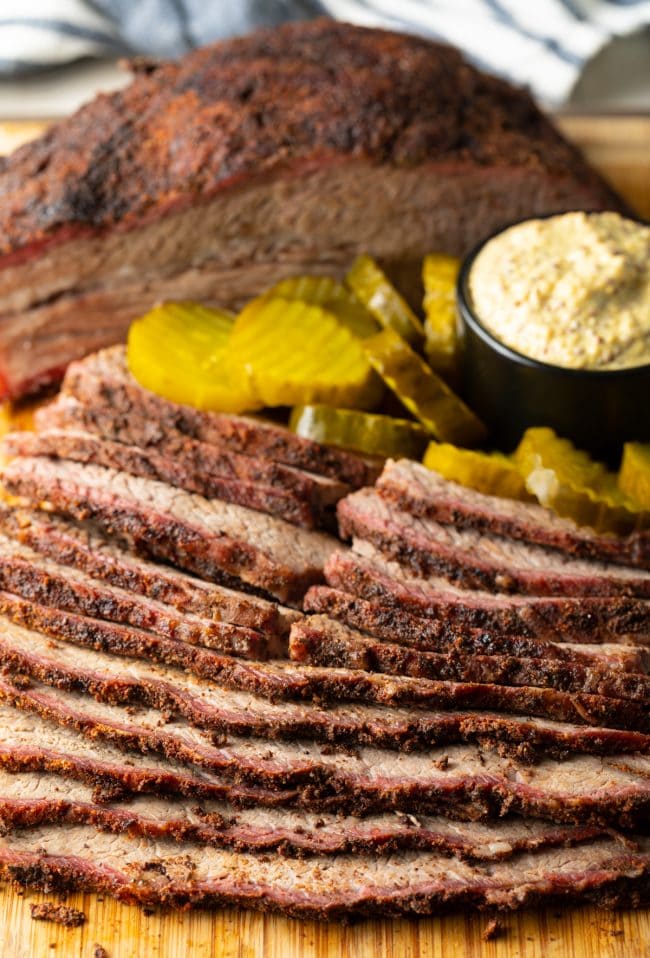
620, 147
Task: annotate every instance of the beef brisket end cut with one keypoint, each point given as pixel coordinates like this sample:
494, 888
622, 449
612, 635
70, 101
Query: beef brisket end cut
206, 179
396, 625
115, 404
570, 619
476, 561
425, 493
207, 537
152, 873
28, 655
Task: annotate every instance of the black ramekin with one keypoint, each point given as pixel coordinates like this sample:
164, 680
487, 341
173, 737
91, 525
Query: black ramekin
598, 410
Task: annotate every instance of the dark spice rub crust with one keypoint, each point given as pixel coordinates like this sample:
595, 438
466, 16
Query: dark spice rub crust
29, 655
555, 618
303, 95
293, 682
409, 883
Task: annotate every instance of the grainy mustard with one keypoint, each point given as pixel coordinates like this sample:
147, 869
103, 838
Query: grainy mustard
571, 290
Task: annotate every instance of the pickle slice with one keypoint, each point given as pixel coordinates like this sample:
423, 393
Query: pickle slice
179, 350
291, 353
568, 481
489, 472
369, 433
331, 295
634, 475
439, 275
424, 394
380, 297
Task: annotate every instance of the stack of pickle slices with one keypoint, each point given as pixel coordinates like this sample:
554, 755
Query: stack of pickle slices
362, 371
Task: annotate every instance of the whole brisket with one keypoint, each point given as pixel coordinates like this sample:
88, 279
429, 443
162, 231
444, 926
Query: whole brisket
476, 561
367, 574
212, 177
208, 537
424, 493
25, 655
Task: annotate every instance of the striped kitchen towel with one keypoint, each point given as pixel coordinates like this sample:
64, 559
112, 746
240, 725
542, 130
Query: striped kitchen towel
543, 44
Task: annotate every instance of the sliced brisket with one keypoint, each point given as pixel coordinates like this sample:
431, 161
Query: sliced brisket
202, 462
103, 384
58, 857
394, 624
458, 781
424, 493
78, 546
319, 640
121, 199
367, 574
25, 655
206, 536
476, 561
189, 471
33, 799
294, 682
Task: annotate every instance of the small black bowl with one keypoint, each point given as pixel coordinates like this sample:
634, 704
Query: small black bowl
598, 410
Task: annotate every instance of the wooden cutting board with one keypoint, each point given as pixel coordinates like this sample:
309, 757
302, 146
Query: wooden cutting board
620, 147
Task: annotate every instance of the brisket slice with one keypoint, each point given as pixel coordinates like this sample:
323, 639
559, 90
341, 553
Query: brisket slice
58, 857
558, 619
319, 640
32, 799
396, 625
205, 536
25, 573
78, 546
122, 199
458, 781
204, 461
476, 561
426, 494
25, 654
103, 384
290, 681
189, 472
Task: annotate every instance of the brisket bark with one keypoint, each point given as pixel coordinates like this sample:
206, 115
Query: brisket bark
457, 781
476, 561
289, 681
114, 401
80, 547
31, 799
207, 537
188, 469
25, 573
207, 179
150, 873
426, 494
319, 640
558, 619
25, 655
396, 625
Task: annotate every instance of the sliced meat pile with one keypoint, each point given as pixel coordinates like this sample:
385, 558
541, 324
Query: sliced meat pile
213, 177
207, 699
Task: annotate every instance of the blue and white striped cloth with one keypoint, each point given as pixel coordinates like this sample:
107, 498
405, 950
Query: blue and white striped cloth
543, 44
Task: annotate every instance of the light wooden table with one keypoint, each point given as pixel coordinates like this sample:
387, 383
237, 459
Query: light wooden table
620, 147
